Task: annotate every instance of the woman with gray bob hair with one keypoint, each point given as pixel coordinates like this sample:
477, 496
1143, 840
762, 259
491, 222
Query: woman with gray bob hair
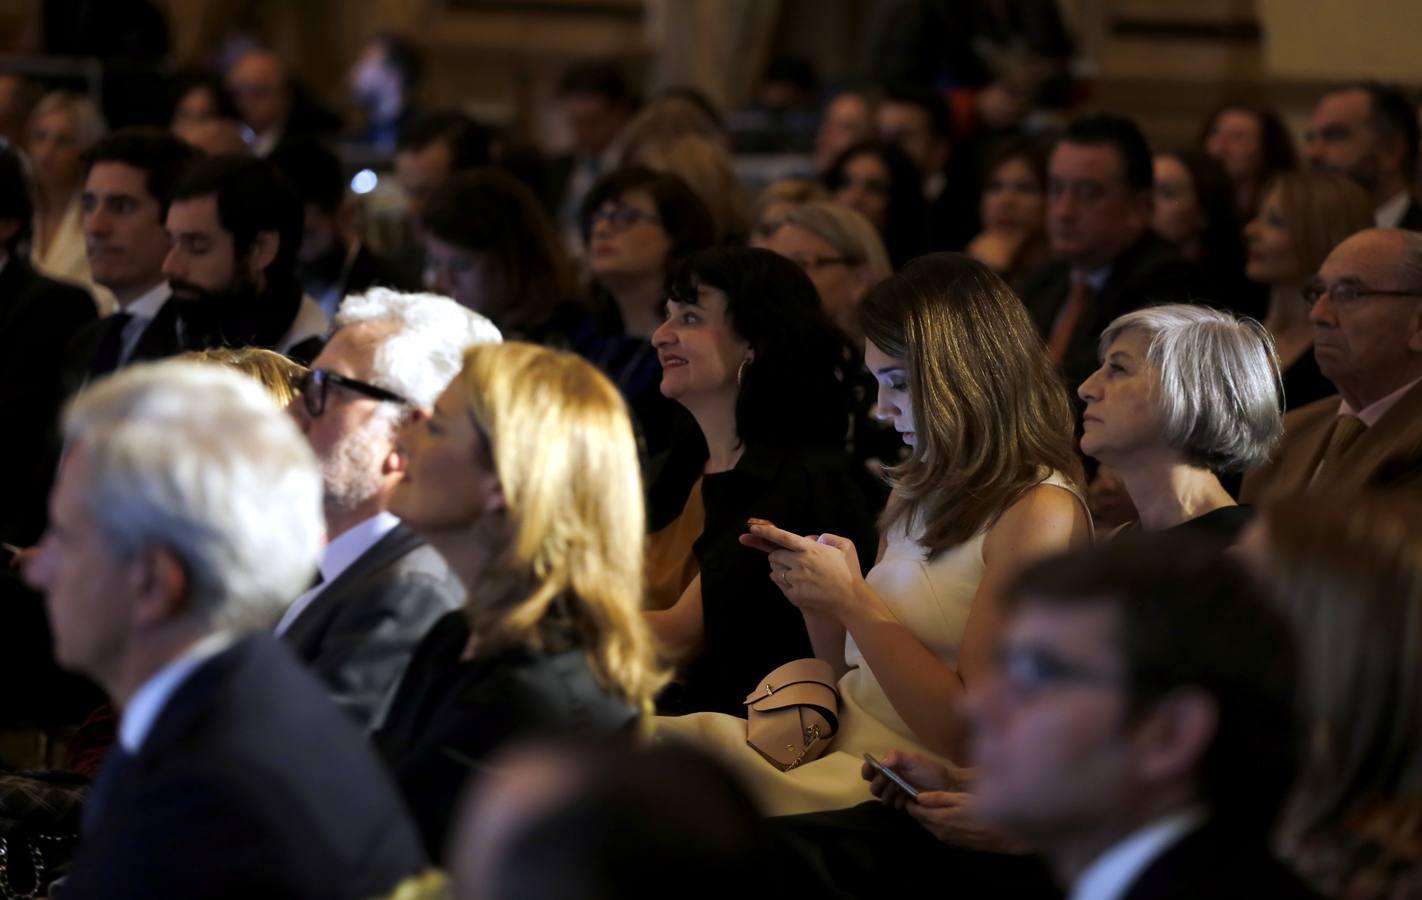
1183, 393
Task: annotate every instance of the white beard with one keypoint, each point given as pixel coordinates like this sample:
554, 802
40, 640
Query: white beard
351, 472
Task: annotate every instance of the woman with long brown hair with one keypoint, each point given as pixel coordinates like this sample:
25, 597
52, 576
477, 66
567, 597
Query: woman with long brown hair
991, 484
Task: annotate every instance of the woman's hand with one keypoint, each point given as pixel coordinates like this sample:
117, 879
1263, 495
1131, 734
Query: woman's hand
948, 816
923, 772
819, 574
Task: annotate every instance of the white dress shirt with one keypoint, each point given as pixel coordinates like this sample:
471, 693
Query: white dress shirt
1114, 872
337, 557
144, 310
1390, 213
310, 322
148, 701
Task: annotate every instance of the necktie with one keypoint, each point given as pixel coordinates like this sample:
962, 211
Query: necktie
1067, 320
116, 767
106, 356
1346, 431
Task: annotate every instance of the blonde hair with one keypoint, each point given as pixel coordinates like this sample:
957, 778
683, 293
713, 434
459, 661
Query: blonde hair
848, 232
785, 192
88, 121
279, 375
1320, 210
706, 167
567, 553
667, 119
991, 414
1347, 572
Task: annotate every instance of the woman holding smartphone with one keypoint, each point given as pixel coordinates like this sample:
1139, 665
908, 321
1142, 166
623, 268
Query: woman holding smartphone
991, 484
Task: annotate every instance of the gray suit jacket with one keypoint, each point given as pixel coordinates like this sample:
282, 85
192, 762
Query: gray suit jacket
1386, 458
357, 634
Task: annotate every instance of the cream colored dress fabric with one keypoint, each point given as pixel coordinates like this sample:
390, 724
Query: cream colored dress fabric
66, 258
929, 597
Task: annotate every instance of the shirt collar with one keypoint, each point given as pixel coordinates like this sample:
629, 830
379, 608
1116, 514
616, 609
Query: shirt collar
1094, 278
1389, 214
148, 701
1112, 873
352, 544
147, 304
1374, 411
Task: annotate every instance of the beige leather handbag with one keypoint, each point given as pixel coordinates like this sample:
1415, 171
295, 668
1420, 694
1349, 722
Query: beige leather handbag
794, 713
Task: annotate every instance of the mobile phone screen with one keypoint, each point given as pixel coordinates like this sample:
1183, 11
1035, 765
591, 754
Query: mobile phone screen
893, 776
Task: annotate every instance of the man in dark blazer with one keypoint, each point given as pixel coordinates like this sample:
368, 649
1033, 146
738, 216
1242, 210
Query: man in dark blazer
1138, 728
382, 588
1106, 261
126, 189
185, 509
1367, 338
1369, 132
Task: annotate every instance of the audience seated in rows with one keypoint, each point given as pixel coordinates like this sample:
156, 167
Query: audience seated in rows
954, 353
748, 352
1194, 210
63, 129
525, 479
1253, 145
848, 119
1302, 217
1365, 306
877, 180
234, 773
595, 104
1013, 239
1370, 133
778, 198
381, 588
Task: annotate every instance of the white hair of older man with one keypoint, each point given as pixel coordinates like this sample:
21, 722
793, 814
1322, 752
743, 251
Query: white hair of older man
198, 459
426, 348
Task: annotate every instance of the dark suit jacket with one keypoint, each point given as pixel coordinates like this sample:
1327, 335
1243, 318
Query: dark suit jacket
1386, 457
158, 341
1209, 862
1149, 271
359, 632
451, 715
38, 317
1412, 218
250, 784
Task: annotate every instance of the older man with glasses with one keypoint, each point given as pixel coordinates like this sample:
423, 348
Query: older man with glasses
1365, 307
379, 588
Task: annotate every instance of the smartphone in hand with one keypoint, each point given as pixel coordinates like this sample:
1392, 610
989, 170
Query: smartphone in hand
893, 776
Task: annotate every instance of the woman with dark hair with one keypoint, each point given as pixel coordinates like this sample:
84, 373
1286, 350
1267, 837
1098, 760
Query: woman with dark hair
490, 246
636, 225
991, 485
1013, 210
200, 96
1253, 146
747, 351
876, 179
1194, 210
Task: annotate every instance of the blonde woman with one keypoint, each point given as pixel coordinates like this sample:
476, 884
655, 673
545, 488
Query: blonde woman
525, 478
778, 198
63, 127
1348, 574
1303, 216
992, 483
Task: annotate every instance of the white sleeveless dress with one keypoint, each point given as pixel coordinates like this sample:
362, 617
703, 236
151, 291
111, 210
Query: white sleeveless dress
931, 598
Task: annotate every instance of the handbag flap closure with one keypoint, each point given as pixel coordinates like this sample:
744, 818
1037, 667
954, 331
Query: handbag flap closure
802, 693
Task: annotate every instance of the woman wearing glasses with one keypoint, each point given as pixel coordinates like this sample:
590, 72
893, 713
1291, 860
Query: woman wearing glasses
637, 224
1183, 393
525, 479
1303, 216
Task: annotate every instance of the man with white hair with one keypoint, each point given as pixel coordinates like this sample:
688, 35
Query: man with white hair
381, 588
233, 775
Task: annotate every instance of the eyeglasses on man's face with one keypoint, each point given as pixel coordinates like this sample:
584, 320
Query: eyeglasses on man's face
1347, 292
316, 384
619, 217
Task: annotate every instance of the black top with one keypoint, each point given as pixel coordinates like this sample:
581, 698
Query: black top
631, 363
1223, 525
1216, 862
750, 628
450, 715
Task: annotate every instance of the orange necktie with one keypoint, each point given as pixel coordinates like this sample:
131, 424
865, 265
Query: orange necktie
1067, 320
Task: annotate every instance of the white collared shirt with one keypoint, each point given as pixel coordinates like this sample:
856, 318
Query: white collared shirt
1374, 411
144, 310
148, 701
1390, 213
1113, 873
350, 546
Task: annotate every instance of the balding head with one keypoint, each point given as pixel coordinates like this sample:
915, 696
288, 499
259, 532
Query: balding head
1368, 341
258, 83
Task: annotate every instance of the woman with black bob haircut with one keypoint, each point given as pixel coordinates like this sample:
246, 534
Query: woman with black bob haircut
878, 180
637, 224
747, 351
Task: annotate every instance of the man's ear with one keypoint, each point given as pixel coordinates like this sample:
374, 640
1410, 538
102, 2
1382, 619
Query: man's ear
264, 251
160, 585
396, 460
1174, 736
